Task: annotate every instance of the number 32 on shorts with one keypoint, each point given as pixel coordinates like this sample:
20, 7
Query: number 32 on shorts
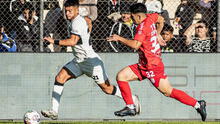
150, 76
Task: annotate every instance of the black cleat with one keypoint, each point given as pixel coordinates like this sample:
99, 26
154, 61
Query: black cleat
202, 109
126, 111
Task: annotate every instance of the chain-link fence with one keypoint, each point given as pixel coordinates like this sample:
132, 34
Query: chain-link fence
190, 26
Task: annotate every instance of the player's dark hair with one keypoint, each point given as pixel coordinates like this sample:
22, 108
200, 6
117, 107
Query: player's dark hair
138, 8
69, 3
167, 27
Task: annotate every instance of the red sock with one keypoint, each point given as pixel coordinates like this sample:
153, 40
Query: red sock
125, 92
183, 97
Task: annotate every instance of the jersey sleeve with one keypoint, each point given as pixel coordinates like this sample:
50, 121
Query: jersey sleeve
79, 28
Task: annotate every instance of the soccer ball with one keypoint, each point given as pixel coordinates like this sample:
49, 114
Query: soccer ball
31, 117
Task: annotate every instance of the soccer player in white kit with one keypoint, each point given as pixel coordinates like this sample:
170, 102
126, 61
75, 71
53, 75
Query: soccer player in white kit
86, 61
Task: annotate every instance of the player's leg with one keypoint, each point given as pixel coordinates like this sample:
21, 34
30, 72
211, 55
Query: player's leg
69, 71
123, 76
169, 91
60, 79
115, 91
161, 82
100, 77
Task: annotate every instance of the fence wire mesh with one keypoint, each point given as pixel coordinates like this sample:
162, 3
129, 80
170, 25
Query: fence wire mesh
190, 25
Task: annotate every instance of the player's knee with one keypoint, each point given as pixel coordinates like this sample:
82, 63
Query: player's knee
60, 78
166, 93
120, 77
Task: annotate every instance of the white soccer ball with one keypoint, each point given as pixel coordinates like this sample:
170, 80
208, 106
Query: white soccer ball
31, 117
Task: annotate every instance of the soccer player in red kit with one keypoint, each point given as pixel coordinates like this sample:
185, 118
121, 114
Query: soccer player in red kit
150, 64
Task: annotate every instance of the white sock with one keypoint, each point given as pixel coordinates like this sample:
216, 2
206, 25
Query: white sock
56, 95
131, 106
197, 105
118, 93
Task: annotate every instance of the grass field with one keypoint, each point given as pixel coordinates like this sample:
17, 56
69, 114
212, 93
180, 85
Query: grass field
115, 122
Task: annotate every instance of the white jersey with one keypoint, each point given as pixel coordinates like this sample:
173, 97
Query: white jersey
82, 49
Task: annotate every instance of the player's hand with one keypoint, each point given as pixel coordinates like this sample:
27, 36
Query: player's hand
114, 37
161, 41
49, 39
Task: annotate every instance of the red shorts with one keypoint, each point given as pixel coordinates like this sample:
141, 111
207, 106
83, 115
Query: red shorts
154, 74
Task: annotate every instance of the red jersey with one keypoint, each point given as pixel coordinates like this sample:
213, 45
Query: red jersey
149, 52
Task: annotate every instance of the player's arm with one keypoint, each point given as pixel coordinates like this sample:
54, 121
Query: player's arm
135, 44
72, 41
160, 24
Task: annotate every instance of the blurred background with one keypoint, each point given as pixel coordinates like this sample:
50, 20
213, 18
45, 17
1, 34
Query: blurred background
107, 17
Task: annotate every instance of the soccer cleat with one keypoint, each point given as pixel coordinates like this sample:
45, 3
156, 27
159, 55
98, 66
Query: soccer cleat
137, 105
202, 109
49, 114
126, 111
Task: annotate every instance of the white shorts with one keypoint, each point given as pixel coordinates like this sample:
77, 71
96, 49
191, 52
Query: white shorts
92, 67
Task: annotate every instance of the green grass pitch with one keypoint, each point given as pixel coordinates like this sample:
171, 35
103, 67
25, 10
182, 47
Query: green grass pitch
115, 122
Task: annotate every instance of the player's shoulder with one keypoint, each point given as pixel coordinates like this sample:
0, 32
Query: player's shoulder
145, 24
152, 17
79, 21
152, 14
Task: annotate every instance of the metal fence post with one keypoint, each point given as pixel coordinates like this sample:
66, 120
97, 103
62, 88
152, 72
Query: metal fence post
218, 28
41, 24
